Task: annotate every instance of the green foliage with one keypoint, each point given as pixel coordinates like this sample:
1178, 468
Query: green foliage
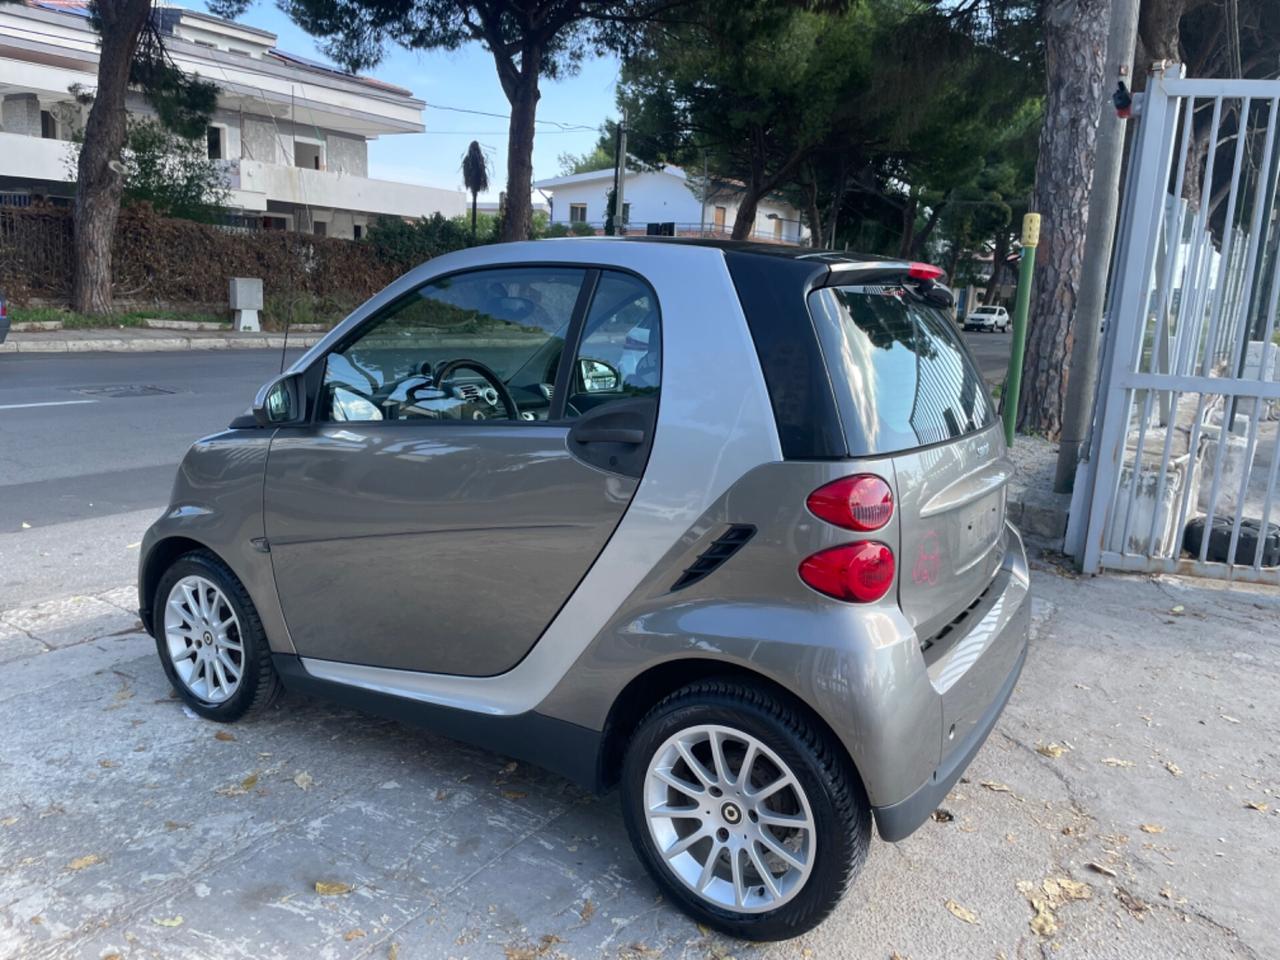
172, 173
557, 230
398, 241
71, 320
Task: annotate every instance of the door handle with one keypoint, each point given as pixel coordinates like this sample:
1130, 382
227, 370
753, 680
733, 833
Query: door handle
629, 435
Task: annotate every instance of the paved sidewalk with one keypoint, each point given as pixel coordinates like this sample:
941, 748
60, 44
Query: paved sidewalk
127, 339
1127, 806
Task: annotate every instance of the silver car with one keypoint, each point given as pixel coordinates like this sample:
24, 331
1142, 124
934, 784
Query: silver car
721, 526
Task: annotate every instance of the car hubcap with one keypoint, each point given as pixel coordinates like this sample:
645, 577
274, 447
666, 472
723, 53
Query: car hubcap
203, 637
729, 818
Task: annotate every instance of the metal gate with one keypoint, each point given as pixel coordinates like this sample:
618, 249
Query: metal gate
1181, 475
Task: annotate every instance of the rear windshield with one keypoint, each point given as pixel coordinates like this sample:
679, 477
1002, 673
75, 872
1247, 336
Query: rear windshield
902, 376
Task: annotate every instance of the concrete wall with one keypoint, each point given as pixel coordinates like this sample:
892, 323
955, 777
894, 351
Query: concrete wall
20, 113
346, 154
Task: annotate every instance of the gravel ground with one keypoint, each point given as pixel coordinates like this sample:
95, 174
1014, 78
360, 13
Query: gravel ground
1126, 806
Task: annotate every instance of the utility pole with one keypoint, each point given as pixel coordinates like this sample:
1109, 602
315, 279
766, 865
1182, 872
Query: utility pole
1104, 201
620, 178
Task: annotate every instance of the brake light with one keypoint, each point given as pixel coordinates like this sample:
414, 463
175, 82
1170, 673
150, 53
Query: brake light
862, 502
923, 271
856, 572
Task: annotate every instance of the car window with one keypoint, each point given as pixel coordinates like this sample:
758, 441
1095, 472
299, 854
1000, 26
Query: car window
620, 352
484, 345
902, 375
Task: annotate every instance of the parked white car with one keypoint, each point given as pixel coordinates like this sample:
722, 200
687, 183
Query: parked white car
987, 318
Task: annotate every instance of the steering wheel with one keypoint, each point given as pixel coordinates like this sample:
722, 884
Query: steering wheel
449, 367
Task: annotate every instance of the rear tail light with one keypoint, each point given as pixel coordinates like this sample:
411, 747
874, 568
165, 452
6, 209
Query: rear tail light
863, 502
923, 271
857, 572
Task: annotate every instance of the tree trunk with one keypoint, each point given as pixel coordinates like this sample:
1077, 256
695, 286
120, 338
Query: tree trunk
517, 221
1075, 50
744, 220
815, 218
921, 238
908, 226
998, 255
473, 216
98, 185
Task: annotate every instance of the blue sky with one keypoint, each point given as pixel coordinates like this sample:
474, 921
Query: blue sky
464, 78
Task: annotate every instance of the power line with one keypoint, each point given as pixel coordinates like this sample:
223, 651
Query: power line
567, 127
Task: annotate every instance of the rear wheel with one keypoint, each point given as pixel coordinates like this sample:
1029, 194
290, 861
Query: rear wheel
210, 640
748, 817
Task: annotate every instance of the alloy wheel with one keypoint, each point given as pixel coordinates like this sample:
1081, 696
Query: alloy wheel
729, 818
202, 634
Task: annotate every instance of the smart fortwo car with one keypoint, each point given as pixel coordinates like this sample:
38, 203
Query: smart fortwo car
717, 524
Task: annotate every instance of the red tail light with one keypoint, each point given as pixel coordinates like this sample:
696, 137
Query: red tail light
857, 572
923, 271
863, 502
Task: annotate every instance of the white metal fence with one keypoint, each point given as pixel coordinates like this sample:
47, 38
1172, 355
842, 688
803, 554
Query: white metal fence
1185, 448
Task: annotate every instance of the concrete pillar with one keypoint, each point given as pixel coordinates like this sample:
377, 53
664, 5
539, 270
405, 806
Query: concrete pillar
20, 113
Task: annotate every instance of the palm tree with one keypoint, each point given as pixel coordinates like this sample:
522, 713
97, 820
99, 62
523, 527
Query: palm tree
475, 174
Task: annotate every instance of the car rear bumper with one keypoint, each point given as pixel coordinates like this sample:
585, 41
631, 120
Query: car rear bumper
973, 681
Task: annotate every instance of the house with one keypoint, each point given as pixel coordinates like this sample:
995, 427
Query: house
292, 134
668, 195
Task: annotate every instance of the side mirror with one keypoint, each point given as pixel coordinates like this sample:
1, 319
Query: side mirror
280, 401
598, 376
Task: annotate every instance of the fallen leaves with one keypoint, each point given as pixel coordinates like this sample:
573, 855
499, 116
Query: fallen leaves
328, 888
1173, 768
995, 786
107, 764
355, 934
587, 912
304, 781
1051, 750
942, 816
514, 794
168, 921
1151, 828
393, 952
8, 821
1052, 893
961, 913
1256, 805
226, 736
1133, 904
80, 863
1117, 762
239, 789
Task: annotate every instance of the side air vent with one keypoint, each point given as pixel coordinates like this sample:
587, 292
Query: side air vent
721, 549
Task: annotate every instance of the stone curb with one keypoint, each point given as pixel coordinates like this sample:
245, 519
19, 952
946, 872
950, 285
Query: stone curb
152, 344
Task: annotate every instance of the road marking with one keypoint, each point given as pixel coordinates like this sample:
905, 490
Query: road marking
47, 403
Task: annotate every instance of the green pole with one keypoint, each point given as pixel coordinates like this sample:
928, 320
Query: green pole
1026, 266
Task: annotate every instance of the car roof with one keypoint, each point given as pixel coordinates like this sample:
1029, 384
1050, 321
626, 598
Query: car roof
836, 259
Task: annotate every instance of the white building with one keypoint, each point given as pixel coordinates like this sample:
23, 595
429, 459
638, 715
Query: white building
293, 134
669, 196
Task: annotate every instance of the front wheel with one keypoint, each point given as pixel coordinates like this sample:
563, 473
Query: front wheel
748, 817
210, 640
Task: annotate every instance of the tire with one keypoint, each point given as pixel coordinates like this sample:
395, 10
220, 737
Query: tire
257, 686
825, 792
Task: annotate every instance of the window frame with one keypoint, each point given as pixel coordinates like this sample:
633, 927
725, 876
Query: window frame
572, 343
573, 208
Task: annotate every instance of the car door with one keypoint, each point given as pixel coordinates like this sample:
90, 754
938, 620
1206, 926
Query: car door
458, 477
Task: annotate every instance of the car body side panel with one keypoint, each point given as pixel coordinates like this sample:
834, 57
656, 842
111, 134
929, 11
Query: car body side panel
217, 502
445, 548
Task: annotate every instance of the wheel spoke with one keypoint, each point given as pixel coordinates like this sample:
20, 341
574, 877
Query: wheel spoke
759, 796
779, 850
766, 875
684, 843
225, 664
717, 757
795, 821
709, 868
220, 674
683, 786
735, 867
694, 764
748, 761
